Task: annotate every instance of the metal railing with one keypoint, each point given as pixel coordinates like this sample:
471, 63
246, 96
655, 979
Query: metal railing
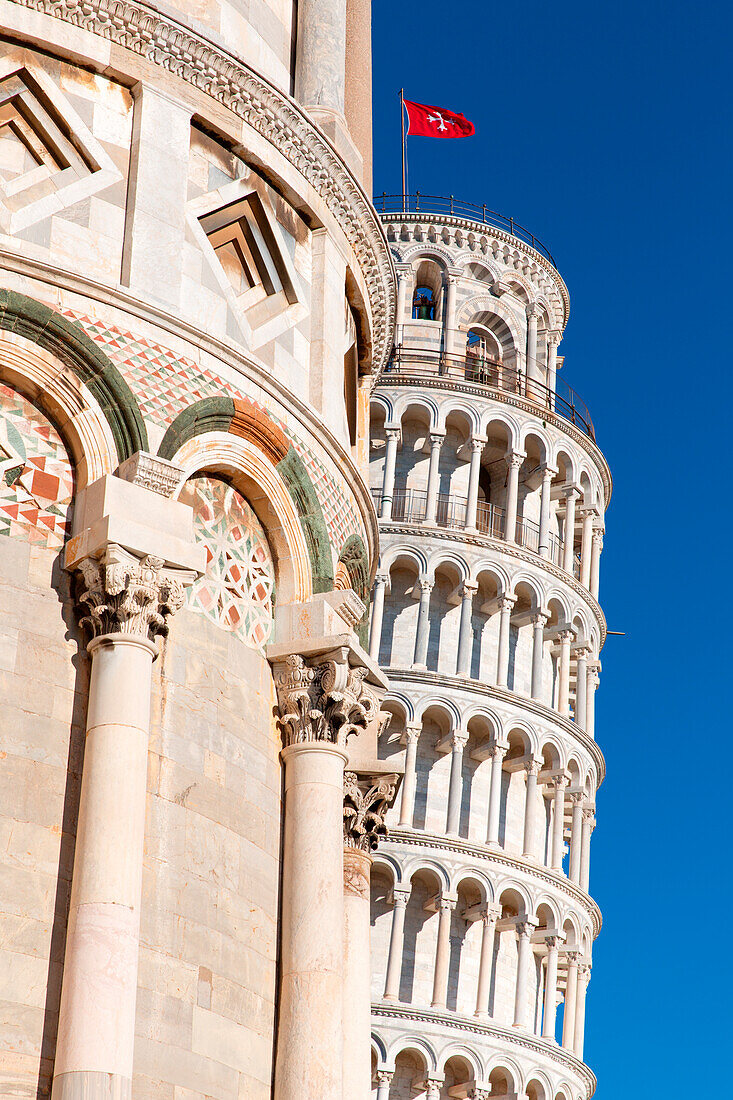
448, 204
413, 362
410, 506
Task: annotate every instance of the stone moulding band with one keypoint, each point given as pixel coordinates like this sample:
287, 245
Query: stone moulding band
503, 1035
268, 111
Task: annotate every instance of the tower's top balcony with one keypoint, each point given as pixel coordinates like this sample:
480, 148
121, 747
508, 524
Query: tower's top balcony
395, 206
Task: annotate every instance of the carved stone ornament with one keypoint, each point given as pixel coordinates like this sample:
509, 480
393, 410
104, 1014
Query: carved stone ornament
324, 701
122, 594
366, 801
176, 48
151, 472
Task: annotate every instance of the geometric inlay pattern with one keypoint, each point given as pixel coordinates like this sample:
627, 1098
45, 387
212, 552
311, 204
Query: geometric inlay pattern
238, 588
36, 476
165, 383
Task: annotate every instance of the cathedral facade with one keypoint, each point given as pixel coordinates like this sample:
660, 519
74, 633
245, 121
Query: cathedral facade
258, 842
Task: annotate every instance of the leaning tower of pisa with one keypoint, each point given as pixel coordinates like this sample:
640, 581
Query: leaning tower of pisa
491, 492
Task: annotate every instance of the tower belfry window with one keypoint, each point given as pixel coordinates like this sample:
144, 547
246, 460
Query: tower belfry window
423, 304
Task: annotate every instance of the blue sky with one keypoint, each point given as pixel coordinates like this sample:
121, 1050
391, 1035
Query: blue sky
607, 132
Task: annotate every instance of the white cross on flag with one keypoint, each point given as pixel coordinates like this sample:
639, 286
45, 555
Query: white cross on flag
426, 121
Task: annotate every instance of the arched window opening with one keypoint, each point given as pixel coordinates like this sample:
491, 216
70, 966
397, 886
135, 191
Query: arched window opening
423, 304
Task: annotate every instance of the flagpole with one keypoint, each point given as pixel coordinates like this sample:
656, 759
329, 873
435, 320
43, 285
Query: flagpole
404, 160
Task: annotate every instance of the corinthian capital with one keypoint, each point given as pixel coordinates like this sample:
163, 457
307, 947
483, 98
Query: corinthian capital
323, 700
366, 801
120, 593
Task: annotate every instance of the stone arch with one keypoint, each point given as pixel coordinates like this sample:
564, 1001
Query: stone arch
242, 419
268, 493
34, 373
474, 309
68, 342
405, 403
457, 1050
407, 1044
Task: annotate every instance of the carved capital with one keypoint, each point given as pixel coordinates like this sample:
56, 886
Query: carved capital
506, 603
326, 700
384, 1077
366, 801
436, 439
515, 459
468, 590
119, 593
393, 433
554, 336
401, 896
426, 585
412, 734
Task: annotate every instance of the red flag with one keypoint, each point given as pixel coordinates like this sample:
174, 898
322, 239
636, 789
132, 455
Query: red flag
436, 122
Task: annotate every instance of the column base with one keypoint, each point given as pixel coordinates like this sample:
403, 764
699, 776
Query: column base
91, 1085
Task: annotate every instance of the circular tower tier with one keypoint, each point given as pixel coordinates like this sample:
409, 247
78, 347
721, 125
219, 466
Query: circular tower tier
491, 493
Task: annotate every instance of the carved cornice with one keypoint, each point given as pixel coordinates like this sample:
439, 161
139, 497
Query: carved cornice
277, 118
490, 393
119, 593
400, 835
455, 534
503, 695
366, 801
502, 1035
323, 700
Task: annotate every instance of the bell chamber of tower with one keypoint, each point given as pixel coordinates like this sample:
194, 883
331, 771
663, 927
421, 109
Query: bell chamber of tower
491, 493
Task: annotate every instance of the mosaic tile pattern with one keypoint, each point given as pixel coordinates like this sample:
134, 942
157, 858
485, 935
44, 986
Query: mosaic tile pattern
237, 590
36, 475
165, 383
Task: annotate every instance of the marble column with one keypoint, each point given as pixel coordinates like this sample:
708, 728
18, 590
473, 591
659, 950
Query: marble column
595, 560
592, 682
539, 620
558, 821
483, 992
589, 824
565, 637
423, 624
580, 716
433, 1087
477, 450
365, 803
320, 60
544, 537
532, 769
576, 827
384, 1080
568, 550
404, 274
401, 896
553, 339
506, 603
514, 462
375, 633
588, 515
571, 990
407, 805
393, 436
465, 630
497, 767
524, 952
358, 82
550, 1002
431, 505
442, 953
455, 789
450, 311
579, 1030
125, 603
318, 701
534, 371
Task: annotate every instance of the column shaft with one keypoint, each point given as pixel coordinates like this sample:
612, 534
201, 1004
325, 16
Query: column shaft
579, 1031
530, 810
595, 561
523, 955
592, 682
390, 460
576, 827
558, 824
320, 63
550, 1003
571, 988
544, 536
563, 691
455, 789
309, 1062
569, 533
483, 991
423, 626
506, 603
581, 690
497, 767
396, 943
431, 505
477, 447
589, 824
375, 632
538, 649
407, 805
512, 496
356, 1009
465, 631
442, 955
534, 373
96, 1031
585, 548
384, 1080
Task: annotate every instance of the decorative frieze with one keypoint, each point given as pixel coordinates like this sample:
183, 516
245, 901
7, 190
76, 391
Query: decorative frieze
151, 472
366, 801
120, 593
323, 700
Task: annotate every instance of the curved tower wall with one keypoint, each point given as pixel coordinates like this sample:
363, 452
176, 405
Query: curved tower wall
194, 290
491, 492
